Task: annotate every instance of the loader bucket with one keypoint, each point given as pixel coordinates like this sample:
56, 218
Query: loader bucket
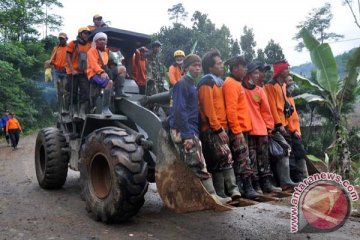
180, 190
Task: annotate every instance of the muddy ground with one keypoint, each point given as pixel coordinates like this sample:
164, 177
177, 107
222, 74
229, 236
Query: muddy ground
29, 212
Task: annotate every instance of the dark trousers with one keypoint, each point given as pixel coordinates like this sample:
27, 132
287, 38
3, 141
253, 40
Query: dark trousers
14, 137
80, 87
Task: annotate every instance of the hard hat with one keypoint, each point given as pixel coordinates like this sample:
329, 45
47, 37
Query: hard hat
82, 29
97, 16
62, 35
179, 53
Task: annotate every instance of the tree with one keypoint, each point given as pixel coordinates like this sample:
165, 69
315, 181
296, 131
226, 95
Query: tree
317, 23
353, 11
260, 55
247, 43
177, 12
19, 19
235, 48
273, 52
333, 93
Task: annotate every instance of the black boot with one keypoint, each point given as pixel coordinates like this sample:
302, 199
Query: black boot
248, 189
240, 186
119, 88
267, 186
106, 103
256, 186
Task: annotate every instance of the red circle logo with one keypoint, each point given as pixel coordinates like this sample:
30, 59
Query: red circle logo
326, 206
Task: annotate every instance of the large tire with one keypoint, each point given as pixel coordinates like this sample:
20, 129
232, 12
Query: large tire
51, 158
112, 174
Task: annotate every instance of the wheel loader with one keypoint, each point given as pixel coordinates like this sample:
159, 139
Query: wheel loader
118, 156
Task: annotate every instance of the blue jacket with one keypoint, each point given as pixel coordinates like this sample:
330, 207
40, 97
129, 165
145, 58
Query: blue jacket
184, 114
4, 120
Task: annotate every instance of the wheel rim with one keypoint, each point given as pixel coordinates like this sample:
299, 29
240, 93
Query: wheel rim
42, 158
100, 176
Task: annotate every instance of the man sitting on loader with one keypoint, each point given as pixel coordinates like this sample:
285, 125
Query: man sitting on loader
97, 58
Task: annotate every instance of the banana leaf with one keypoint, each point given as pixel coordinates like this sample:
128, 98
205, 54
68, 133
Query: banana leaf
298, 78
322, 57
193, 48
308, 97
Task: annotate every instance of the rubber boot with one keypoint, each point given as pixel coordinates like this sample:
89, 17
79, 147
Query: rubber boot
83, 110
230, 184
283, 172
119, 88
75, 110
66, 105
267, 186
301, 163
249, 191
218, 181
208, 184
240, 186
106, 103
256, 186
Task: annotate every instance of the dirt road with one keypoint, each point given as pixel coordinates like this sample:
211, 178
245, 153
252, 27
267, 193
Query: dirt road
29, 212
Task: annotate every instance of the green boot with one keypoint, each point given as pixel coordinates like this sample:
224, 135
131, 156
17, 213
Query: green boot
208, 184
230, 183
218, 181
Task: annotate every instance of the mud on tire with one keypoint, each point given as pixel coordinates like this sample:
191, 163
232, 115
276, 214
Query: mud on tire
112, 174
51, 158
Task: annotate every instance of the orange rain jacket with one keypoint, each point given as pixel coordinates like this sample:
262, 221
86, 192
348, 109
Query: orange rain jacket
259, 111
293, 120
275, 94
74, 51
211, 106
236, 106
175, 74
12, 124
139, 68
59, 58
94, 65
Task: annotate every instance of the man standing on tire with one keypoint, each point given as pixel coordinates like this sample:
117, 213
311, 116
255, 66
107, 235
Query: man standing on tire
77, 80
13, 128
213, 126
184, 124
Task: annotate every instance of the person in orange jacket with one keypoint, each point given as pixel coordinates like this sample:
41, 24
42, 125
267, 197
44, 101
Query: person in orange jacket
78, 83
275, 91
97, 59
139, 68
214, 126
262, 125
175, 70
237, 113
13, 128
298, 168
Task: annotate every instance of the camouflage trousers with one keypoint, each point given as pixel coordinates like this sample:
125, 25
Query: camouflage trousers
240, 152
259, 156
193, 157
217, 153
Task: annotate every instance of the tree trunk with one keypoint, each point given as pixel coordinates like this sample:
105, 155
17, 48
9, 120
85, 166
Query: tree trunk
342, 152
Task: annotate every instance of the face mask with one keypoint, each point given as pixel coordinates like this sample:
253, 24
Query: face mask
251, 83
179, 61
196, 79
290, 89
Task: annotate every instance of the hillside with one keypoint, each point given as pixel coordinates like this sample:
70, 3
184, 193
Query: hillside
305, 69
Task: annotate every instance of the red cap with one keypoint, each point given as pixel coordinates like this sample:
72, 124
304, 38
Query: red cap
279, 67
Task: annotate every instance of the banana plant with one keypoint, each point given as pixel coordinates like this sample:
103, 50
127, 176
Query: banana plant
333, 92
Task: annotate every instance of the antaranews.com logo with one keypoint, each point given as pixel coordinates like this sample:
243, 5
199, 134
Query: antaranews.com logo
321, 203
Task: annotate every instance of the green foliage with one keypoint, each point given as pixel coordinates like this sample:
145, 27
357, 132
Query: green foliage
177, 12
261, 55
20, 19
273, 52
247, 43
317, 23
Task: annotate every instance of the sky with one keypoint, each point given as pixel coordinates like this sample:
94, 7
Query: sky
276, 19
